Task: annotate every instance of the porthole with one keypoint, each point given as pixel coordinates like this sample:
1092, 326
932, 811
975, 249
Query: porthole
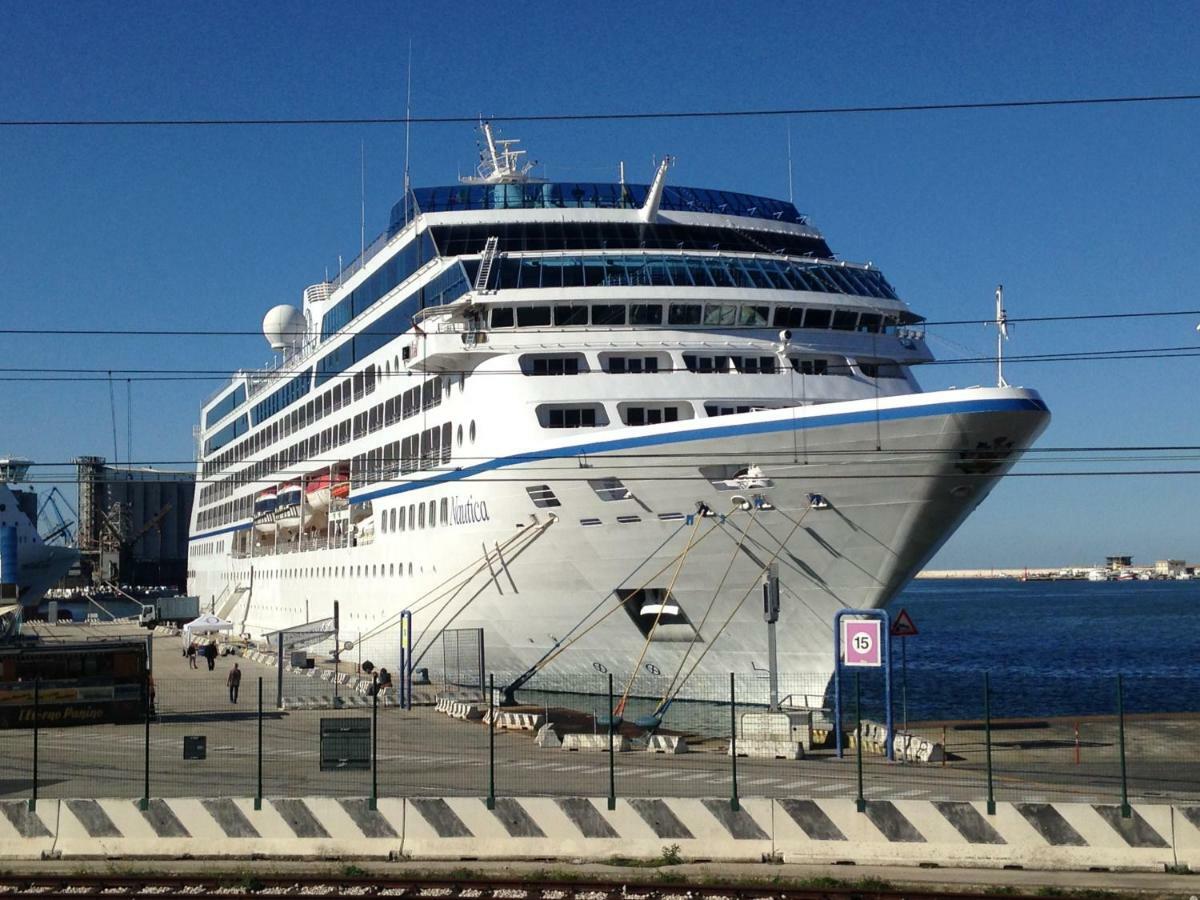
471, 432
459, 436
653, 669
600, 667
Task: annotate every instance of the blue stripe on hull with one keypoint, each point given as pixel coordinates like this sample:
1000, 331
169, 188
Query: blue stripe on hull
698, 434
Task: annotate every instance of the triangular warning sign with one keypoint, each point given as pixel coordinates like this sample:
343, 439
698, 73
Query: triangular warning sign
903, 625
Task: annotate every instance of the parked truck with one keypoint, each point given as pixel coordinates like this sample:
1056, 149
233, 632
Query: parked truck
175, 611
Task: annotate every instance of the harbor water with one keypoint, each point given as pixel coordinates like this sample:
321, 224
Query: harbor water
1052, 648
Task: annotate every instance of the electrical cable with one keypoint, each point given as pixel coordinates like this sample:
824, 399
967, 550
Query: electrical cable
608, 117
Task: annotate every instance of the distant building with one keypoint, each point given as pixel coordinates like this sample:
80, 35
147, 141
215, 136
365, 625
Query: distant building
133, 523
1170, 567
1115, 563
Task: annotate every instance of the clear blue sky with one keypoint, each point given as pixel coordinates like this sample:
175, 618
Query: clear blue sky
1091, 209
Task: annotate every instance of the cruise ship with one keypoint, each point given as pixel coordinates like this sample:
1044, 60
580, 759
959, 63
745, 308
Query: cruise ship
587, 421
29, 564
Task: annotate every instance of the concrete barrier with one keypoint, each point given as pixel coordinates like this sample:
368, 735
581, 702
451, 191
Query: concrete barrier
900, 832
547, 736
595, 743
515, 721
764, 749
666, 743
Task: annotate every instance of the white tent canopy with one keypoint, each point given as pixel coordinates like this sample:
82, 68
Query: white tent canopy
205, 624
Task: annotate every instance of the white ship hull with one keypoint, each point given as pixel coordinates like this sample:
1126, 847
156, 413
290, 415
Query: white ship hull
889, 510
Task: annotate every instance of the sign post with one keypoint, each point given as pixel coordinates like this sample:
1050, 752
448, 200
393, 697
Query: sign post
903, 627
861, 638
406, 662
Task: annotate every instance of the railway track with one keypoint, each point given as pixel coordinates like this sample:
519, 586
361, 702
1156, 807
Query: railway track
317, 887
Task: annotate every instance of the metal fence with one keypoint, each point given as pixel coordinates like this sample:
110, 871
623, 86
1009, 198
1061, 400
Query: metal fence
201, 741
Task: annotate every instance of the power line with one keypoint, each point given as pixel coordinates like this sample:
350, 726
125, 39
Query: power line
608, 117
767, 455
54, 374
221, 332
275, 480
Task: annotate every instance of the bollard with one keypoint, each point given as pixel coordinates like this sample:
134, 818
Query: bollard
860, 802
36, 712
258, 791
491, 797
612, 760
733, 797
987, 737
1126, 812
373, 802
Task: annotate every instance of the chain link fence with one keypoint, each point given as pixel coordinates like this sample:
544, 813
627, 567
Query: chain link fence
320, 732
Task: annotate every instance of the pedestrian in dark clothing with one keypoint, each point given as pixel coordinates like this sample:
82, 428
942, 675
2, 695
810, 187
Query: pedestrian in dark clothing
210, 653
234, 681
191, 654
383, 683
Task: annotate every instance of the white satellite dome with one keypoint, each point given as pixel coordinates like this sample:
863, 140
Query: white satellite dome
284, 327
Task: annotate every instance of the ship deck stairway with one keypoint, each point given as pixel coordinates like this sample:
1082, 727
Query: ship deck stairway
486, 262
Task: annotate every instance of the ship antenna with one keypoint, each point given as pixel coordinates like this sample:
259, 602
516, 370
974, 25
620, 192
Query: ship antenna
791, 195
362, 201
1001, 335
407, 128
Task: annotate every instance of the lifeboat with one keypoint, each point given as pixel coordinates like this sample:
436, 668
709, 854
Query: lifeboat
340, 485
264, 510
287, 506
318, 493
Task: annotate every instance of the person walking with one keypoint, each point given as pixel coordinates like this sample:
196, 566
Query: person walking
234, 681
191, 654
210, 653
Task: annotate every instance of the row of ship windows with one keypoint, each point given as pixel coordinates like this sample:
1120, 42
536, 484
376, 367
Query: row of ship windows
720, 315
401, 406
701, 363
421, 451
595, 415
364, 571
649, 270
706, 363
415, 516
341, 394
417, 452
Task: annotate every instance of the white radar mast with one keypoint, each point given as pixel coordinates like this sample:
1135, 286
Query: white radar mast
499, 163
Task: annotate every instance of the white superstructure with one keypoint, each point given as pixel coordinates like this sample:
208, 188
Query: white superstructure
590, 416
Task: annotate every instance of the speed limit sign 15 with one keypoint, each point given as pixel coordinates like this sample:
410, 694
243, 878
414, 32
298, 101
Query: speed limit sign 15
861, 644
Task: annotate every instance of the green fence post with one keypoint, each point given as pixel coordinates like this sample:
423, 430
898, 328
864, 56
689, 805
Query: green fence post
860, 801
491, 797
144, 803
1126, 811
987, 740
258, 791
373, 802
734, 804
612, 760
36, 714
